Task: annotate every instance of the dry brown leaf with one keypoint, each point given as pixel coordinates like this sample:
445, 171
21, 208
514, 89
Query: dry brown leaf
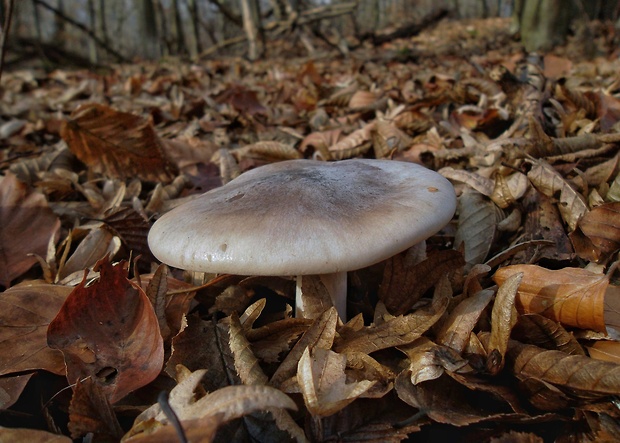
572, 296
11, 388
605, 351
117, 144
446, 401
31, 436
319, 335
508, 190
321, 376
224, 405
541, 331
91, 412
601, 229
25, 312
249, 371
481, 184
399, 330
273, 150
582, 374
477, 226
403, 284
203, 344
27, 225
547, 180
387, 139
353, 144
98, 243
503, 318
456, 329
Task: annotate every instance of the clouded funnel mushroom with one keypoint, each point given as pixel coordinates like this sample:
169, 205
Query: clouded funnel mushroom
304, 217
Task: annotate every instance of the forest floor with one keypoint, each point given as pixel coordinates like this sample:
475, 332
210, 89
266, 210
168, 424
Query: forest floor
505, 329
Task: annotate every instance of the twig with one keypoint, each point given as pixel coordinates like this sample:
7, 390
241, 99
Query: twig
84, 29
162, 399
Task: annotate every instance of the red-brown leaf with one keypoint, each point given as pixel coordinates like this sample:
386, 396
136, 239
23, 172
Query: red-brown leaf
109, 331
117, 144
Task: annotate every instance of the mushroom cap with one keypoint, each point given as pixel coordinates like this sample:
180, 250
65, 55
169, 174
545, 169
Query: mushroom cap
301, 217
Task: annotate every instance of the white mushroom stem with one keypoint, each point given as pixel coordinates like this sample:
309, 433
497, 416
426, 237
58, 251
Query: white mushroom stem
336, 285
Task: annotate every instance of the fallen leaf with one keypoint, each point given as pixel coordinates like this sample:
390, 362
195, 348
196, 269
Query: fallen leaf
321, 376
108, 331
601, 227
27, 225
503, 318
31, 436
117, 144
222, 405
577, 372
91, 412
572, 296
25, 313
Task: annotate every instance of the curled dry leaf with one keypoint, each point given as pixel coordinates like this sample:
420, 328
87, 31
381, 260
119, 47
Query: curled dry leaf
25, 312
117, 144
503, 318
108, 331
597, 235
26, 226
545, 333
456, 329
547, 180
319, 335
222, 405
321, 376
571, 296
399, 330
356, 143
582, 374
477, 226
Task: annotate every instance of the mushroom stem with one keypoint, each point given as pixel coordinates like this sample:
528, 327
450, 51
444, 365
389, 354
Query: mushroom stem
336, 285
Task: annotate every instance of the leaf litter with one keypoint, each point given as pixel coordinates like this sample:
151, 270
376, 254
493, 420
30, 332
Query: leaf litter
504, 325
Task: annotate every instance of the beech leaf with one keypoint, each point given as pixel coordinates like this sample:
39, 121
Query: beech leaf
108, 331
322, 379
572, 296
26, 226
117, 144
25, 313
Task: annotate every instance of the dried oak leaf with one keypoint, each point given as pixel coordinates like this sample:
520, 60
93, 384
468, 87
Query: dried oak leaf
597, 235
117, 144
209, 411
571, 296
108, 331
25, 312
27, 225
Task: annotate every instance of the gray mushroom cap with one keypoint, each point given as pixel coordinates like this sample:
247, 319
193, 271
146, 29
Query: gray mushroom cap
303, 217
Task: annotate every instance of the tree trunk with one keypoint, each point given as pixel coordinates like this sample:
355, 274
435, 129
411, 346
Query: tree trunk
544, 24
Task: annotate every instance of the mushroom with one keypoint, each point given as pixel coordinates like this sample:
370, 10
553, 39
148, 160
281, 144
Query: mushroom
305, 217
